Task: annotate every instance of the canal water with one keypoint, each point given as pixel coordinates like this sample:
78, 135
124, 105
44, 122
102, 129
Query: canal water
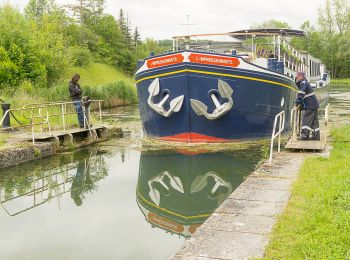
340, 104
116, 200
119, 200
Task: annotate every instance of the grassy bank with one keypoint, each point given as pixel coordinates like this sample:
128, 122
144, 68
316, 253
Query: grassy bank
316, 222
98, 74
99, 81
341, 81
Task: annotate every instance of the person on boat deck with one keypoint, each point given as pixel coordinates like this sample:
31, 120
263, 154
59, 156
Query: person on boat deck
76, 92
306, 100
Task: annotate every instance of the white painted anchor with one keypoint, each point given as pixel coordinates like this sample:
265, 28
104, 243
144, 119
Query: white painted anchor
175, 183
220, 109
202, 181
175, 104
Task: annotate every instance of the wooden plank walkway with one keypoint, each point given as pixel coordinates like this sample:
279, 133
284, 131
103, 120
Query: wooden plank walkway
67, 135
307, 145
43, 136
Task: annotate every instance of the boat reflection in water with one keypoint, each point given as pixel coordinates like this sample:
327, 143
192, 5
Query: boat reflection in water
75, 175
178, 192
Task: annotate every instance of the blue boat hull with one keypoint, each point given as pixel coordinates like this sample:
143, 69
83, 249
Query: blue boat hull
258, 97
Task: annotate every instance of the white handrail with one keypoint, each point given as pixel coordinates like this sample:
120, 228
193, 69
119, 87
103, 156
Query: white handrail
46, 118
295, 114
280, 117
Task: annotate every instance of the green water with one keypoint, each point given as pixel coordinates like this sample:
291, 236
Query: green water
112, 203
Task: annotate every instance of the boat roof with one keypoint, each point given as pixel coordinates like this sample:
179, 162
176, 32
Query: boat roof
243, 34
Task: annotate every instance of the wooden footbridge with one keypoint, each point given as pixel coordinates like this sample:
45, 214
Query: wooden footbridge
39, 117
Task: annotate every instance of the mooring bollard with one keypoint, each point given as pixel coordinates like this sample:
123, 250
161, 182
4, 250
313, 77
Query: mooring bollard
6, 123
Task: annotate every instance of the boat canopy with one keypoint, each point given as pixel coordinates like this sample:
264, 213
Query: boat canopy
243, 34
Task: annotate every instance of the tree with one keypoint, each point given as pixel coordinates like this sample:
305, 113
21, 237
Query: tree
81, 11
125, 29
110, 38
136, 40
36, 9
136, 37
9, 71
19, 55
343, 55
271, 24
341, 15
97, 8
39, 45
312, 42
333, 20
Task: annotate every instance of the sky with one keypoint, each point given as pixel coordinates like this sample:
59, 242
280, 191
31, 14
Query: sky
161, 19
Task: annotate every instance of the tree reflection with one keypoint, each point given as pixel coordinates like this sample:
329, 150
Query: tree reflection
25, 187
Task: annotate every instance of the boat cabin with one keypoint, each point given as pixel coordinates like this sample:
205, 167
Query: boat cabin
267, 48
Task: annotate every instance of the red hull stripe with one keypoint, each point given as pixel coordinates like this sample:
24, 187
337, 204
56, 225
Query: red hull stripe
194, 138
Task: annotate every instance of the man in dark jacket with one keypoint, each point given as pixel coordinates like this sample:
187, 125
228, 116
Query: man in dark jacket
306, 100
76, 92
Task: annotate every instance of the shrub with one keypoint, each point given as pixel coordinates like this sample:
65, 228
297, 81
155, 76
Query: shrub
27, 87
80, 56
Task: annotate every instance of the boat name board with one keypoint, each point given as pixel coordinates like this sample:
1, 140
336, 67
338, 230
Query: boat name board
194, 58
214, 60
168, 224
164, 61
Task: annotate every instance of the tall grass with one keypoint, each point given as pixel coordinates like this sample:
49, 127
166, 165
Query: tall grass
114, 94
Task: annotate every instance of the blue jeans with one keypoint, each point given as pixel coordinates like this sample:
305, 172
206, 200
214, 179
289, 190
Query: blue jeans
79, 109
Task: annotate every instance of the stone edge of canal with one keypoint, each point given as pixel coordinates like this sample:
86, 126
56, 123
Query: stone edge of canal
240, 227
23, 152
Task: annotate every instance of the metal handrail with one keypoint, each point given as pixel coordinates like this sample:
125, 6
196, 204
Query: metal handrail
295, 120
36, 112
280, 117
63, 105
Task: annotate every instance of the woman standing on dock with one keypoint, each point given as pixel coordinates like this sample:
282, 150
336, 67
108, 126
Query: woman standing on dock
76, 92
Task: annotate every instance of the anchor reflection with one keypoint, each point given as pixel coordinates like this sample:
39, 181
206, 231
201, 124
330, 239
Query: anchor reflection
37, 184
178, 192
